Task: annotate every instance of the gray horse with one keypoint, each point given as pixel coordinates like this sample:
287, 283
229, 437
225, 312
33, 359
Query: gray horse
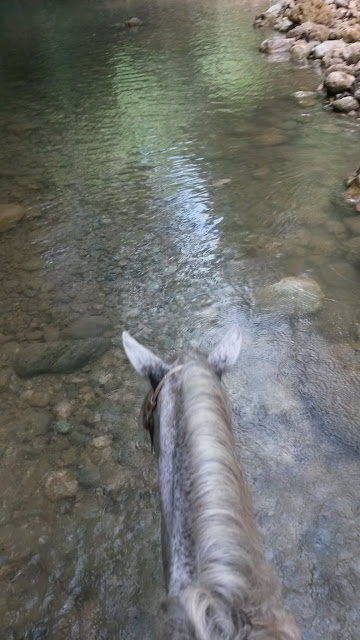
219, 585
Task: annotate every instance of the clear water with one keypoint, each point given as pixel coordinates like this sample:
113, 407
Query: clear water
168, 172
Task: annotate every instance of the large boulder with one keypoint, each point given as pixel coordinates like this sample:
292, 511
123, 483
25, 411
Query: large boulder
337, 81
301, 50
345, 105
351, 53
292, 296
310, 31
10, 215
333, 47
58, 357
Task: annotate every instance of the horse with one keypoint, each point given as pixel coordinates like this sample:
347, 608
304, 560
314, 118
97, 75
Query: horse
219, 585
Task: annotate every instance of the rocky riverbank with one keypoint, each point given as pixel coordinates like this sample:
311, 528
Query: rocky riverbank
326, 33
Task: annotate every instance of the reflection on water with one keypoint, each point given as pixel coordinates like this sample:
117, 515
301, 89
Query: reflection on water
167, 172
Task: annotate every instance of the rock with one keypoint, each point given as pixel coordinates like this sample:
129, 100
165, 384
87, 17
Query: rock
351, 53
279, 45
133, 22
51, 333
329, 46
305, 98
348, 32
86, 327
10, 215
64, 409
270, 137
337, 81
59, 485
344, 68
101, 442
88, 476
300, 51
58, 357
283, 25
357, 94
345, 105
38, 399
34, 264
310, 31
352, 249
63, 427
293, 296
269, 17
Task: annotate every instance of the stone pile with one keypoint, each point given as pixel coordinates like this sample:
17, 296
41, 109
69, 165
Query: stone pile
326, 32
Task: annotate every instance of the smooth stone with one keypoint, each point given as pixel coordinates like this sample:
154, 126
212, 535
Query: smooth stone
337, 81
300, 51
58, 357
63, 427
101, 442
38, 399
293, 296
86, 327
88, 476
345, 105
10, 215
329, 46
60, 484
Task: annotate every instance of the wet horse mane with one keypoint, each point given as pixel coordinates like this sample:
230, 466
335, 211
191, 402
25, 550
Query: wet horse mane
225, 590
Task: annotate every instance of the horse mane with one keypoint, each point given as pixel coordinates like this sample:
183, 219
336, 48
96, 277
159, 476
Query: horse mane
235, 595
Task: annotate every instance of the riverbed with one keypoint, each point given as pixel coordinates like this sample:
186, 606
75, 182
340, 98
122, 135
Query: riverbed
168, 173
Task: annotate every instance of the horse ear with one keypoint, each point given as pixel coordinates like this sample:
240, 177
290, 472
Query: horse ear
226, 352
143, 360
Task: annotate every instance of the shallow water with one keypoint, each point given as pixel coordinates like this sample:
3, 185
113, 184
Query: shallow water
168, 172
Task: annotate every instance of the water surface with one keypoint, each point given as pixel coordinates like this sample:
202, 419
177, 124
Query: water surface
168, 172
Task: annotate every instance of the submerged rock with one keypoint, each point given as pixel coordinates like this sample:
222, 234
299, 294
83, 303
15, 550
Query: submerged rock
277, 45
58, 357
305, 98
133, 22
293, 296
60, 484
10, 215
86, 327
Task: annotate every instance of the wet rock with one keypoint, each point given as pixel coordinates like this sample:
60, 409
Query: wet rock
60, 484
305, 98
329, 46
351, 53
64, 409
337, 81
101, 442
293, 296
269, 17
353, 225
345, 105
34, 264
58, 357
283, 25
352, 249
279, 45
38, 399
271, 137
133, 22
63, 427
89, 476
300, 51
10, 215
86, 327
310, 31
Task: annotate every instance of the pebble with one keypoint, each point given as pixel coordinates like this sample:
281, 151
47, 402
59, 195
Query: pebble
101, 442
